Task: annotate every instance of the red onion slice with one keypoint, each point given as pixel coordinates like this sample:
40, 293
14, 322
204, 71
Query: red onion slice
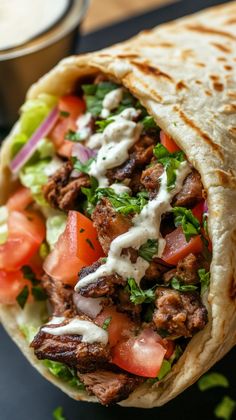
29, 148
83, 153
88, 306
205, 207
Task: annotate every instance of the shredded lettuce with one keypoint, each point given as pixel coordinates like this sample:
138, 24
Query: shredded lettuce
165, 369
58, 414
65, 373
34, 177
212, 380
55, 226
225, 408
3, 224
34, 111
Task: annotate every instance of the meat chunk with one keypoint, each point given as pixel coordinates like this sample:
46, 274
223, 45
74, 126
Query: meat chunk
109, 223
69, 349
187, 269
155, 270
109, 387
140, 155
60, 296
179, 314
191, 192
150, 178
123, 304
64, 192
103, 286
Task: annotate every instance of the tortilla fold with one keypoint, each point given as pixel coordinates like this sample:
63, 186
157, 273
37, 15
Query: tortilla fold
184, 74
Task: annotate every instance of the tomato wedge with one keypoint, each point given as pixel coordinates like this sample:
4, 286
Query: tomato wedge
74, 107
26, 233
168, 142
120, 324
198, 211
177, 247
11, 285
20, 199
77, 247
141, 355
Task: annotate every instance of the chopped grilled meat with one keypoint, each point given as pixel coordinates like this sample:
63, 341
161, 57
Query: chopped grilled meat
60, 296
103, 286
191, 193
109, 223
150, 178
64, 192
140, 155
179, 314
155, 270
109, 387
69, 349
187, 269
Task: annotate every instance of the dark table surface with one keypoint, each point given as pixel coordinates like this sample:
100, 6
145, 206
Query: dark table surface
24, 394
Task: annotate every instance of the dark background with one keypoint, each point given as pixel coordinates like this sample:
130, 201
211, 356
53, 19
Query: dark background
24, 394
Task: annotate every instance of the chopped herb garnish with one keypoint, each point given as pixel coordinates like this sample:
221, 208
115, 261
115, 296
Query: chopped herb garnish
123, 203
89, 242
148, 250
102, 124
137, 295
58, 414
185, 218
225, 408
64, 114
106, 323
37, 291
81, 230
148, 122
82, 167
212, 380
176, 284
23, 296
204, 279
73, 136
171, 162
94, 95
65, 373
91, 196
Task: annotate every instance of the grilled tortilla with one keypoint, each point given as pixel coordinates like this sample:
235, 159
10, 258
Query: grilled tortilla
184, 74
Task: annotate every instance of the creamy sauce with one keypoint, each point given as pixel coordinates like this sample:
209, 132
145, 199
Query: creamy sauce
90, 332
120, 188
22, 20
146, 225
3, 224
111, 101
95, 141
117, 139
83, 124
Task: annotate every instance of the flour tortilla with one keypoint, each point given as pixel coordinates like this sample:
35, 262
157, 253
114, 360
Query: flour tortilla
184, 73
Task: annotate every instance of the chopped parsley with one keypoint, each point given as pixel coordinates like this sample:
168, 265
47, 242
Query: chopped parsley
212, 380
106, 323
137, 295
176, 284
89, 242
185, 218
65, 373
73, 136
36, 289
225, 408
204, 279
171, 162
58, 414
123, 203
94, 95
148, 122
82, 167
148, 250
102, 124
64, 114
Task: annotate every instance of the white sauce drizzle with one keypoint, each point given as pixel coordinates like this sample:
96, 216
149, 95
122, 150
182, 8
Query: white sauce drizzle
117, 138
83, 125
146, 226
111, 101
89, 331
95, 141
120, 188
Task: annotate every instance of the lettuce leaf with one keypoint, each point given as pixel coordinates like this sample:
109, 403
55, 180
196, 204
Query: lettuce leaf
65, 373
55, 226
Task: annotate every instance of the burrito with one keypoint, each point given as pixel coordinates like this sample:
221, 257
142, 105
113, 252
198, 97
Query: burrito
118, 220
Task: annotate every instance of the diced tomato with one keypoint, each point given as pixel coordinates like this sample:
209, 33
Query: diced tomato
11, 285
177, 247
169, 143
141, 355
198, 211
20, 199
26, 233
72, 104
169, 346
88, 246
120, 325
77, 247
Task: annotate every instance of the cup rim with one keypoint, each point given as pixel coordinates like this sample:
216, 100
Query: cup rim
67, 24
